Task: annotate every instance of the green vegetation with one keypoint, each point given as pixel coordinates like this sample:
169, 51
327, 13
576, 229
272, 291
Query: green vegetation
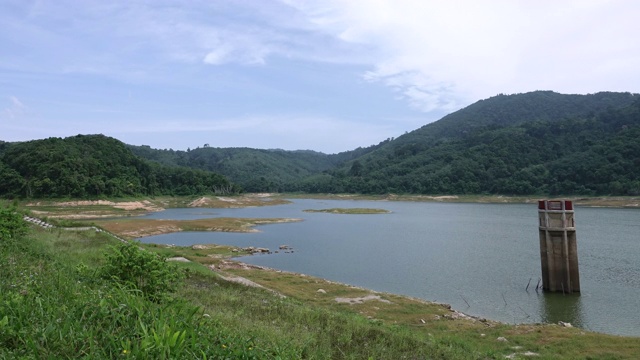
11, 224
136, 228
349, 211
129, 265
94, 166
55, 303
255, 170
536, 143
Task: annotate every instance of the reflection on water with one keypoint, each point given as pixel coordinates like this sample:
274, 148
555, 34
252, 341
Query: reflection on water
482, 253
555, 307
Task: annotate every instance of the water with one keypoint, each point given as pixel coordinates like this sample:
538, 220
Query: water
480, 254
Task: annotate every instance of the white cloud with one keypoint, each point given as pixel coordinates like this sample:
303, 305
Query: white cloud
237, 49
15, 109
439, 54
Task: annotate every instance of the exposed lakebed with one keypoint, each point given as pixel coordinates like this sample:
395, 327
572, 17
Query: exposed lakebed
476, 257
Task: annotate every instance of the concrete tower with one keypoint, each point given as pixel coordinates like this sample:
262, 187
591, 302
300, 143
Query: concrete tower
558, 247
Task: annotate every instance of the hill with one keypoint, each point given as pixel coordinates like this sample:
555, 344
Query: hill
534, 143
94, 166
256, 170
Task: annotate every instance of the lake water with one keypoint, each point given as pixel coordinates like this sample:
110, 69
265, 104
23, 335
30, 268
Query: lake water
449, 252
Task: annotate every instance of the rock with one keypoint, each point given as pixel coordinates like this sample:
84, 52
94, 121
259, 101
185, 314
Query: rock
322, 291
502, 339
564, 324
179, 259
483, 335
422, 321
199, 247
285, 247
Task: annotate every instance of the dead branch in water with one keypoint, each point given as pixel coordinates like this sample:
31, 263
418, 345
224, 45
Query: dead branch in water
465, 300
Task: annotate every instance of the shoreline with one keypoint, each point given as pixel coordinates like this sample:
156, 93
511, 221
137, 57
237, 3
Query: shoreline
630, 202
246, 266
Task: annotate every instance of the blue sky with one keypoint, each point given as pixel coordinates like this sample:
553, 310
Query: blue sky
329, 75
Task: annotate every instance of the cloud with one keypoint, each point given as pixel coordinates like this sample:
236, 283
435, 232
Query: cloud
238, 49
15, 109
441, 55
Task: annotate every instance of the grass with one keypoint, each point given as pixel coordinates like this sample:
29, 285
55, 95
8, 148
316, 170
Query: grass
349, 211
135, 228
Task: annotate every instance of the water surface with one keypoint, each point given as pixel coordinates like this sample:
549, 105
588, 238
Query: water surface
449, 252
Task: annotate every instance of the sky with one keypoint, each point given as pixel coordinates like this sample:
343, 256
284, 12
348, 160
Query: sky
325, 75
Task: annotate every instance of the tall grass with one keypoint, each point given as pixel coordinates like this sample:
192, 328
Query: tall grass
51, 309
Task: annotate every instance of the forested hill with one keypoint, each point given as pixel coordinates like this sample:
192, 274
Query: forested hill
256, 170
534, 143
507, 110
93, 166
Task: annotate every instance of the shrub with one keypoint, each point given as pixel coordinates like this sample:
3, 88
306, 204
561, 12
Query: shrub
12, 225
146, 271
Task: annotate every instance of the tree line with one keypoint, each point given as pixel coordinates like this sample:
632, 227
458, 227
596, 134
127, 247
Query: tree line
95, 166
594, 154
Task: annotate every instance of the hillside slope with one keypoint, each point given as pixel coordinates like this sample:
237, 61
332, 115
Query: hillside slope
534, 143
256, 170
93, 166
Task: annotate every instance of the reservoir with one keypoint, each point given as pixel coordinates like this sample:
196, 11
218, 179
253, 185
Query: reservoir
477, 257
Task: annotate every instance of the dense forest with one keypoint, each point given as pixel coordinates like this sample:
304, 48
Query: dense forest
256, 170
95, 166
524, 144
535, 143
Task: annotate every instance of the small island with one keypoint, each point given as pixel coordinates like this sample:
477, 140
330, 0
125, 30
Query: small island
349, 211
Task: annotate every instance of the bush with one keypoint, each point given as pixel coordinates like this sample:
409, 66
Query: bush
12, 225
146, 271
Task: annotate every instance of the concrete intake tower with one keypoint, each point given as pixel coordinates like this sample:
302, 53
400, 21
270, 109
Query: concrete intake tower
558, 246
